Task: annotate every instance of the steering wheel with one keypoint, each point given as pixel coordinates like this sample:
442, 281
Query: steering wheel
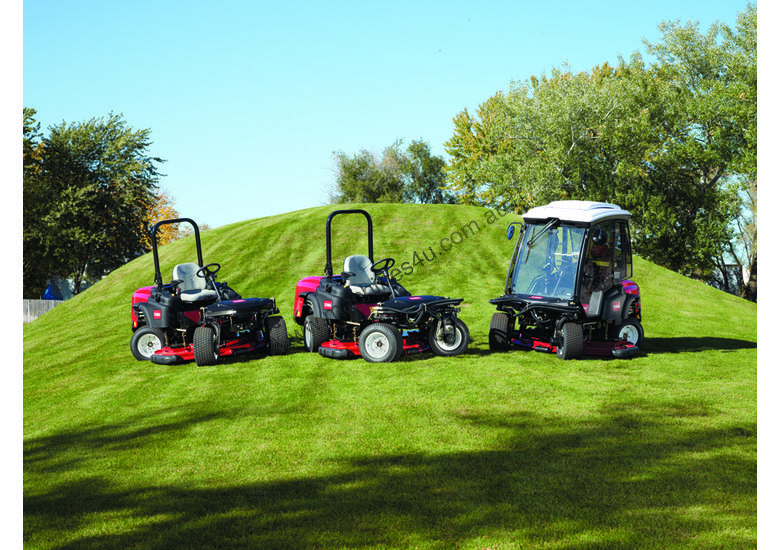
207, 273
382, 265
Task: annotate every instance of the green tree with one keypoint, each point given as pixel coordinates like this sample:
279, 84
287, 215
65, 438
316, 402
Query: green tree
411, 175
36, 267
362, 178
715, 76
87, 201
424, 176
665, 141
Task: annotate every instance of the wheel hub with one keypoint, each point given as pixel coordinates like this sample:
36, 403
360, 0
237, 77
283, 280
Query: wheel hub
148, 344
376, 343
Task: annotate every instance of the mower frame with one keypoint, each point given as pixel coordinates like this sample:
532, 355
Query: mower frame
576, 296
168, 329
382, 326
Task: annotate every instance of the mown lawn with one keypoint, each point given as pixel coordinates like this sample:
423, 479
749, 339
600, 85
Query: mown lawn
484, 450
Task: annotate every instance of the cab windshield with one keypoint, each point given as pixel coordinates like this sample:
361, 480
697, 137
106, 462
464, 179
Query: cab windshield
547, 262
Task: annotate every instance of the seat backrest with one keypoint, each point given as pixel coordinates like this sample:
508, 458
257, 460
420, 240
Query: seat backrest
186, 274
361, 267
594, 304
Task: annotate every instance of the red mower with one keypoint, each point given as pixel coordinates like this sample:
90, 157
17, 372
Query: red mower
196, 317
364, 312
568, 290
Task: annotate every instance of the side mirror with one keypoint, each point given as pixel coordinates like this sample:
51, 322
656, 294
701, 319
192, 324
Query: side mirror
510, 232
599, 236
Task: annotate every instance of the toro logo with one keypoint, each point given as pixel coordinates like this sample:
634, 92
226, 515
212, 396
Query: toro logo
615, 306
328, 304
157, 314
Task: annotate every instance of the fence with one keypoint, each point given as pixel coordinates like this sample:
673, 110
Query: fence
35, 308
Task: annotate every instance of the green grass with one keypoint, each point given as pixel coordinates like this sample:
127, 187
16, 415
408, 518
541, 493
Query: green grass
483, 450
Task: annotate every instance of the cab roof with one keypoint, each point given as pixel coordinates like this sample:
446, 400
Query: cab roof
580, 212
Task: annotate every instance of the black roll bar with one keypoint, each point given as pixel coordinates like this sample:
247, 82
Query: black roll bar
157, 274
329, 263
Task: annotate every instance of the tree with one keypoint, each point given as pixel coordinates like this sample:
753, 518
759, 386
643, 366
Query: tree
666, 141
414, 175
36, 267
161, 209
424, 176
86, 201
364, 179
716, 74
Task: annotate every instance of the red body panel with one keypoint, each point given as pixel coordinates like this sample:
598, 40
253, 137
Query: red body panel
140, 295
308, 284
143, 294
631, 287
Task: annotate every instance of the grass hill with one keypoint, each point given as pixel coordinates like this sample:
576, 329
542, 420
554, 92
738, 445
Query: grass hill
482, 450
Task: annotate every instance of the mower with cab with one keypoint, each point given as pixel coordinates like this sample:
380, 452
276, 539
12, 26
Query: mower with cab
364, 312
196, 317
569, 289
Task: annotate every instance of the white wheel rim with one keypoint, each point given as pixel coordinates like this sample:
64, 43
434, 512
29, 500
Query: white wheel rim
307, 334
443, 343
377, 344
148, 344
630, 333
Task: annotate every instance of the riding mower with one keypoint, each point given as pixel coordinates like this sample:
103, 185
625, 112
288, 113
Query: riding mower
568, 290
364, 312
196, 317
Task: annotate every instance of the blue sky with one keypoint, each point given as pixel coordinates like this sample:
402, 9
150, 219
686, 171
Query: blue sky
247, 101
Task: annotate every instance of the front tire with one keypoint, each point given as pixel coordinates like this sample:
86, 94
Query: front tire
380, 343
145, 342
500, 331
277, 341
571, 341
315, 333
437, 340
205, 346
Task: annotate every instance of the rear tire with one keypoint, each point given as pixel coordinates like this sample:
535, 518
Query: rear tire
205, 346
571, 341
500, 331
439, 344
315, 333
380, 343
629, 329
276, 340
145, 342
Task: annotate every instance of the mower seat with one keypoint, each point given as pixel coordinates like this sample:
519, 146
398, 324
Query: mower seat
362, 281
594, 304
193, 288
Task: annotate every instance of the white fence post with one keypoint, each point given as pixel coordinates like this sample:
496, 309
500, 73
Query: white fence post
35, 308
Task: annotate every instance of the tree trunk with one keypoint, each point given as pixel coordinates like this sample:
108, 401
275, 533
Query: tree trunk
750, 290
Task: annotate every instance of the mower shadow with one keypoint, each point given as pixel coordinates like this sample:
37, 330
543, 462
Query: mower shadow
549, 478
684, 344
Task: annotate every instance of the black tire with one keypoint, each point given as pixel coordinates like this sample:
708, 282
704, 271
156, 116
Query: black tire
380, 343
629, 329
571, 341
315, 333
145, 342
276, 340
500, 331
441, 347
205, 346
